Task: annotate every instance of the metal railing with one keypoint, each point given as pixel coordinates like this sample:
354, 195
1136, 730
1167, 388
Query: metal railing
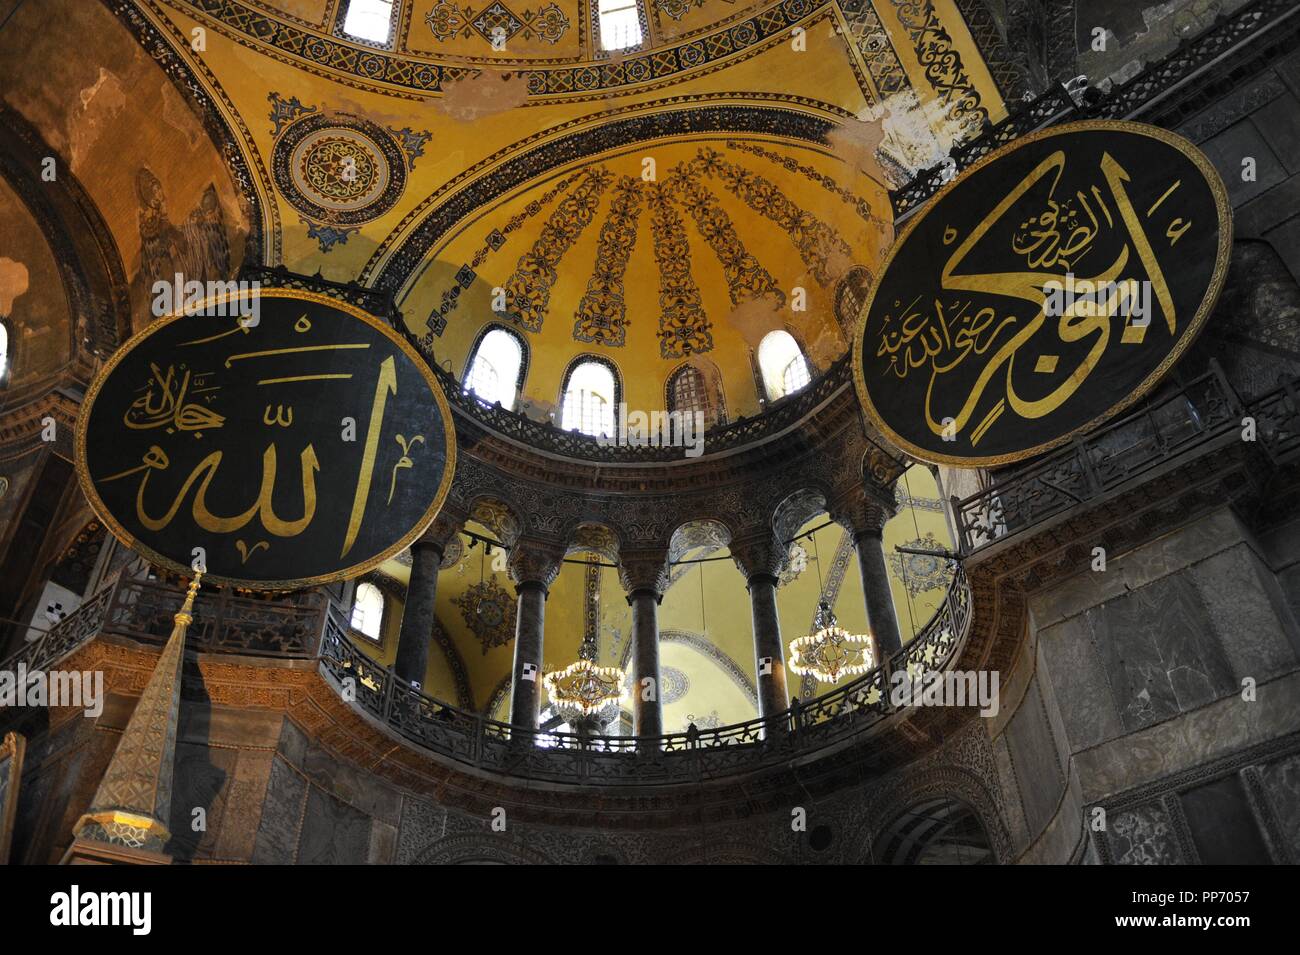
306, 626
673, 757
224, 621
1200, 412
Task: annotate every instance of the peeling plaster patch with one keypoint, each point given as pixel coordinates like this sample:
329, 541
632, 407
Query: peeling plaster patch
754, 318
100, 104
14, 280
485, 94
177, 115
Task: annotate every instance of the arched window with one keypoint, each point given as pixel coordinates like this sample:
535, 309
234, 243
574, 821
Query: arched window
496, 369
590, 395
368, 610
689, 390
620, 24
4, 352
370, 20
784, 368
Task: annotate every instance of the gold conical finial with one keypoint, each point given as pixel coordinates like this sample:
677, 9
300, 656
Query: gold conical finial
184, 617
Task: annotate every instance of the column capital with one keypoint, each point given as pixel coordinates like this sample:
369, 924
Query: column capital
535, 561
760, 555
445, 526
644, 571
859, 510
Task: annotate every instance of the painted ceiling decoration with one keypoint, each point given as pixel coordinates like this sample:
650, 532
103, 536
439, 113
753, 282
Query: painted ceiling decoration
684, 326
921, 572
417, 71
338, 170
489, 612
497, 176
496, 22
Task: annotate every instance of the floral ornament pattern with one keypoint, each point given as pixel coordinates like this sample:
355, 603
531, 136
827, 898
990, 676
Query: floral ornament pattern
468, 272
446, 21
921, 572
746, 277
602, 313
684, 328
528, 290
795, 565
819, 245
488, 612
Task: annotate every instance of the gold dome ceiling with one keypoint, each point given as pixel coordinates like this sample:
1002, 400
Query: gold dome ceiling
654, 205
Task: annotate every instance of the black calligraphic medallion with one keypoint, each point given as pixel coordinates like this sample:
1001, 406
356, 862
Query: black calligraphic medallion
1042, 291
293, 438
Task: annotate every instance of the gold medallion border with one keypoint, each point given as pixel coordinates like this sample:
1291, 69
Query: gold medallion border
1189, 335
444, 488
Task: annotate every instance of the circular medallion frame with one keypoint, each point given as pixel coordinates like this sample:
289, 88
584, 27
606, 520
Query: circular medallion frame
310, 159
443, 411
1185, 339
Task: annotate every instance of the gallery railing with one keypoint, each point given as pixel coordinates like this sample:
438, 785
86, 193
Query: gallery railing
305, 626
224, 622
1149, 93
1090, 467
671, 758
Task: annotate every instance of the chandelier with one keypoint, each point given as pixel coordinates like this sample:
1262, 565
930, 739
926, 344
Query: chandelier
831, 652
584, 691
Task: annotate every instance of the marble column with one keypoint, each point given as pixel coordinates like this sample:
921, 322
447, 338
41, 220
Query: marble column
645, 576
881, 615
647, 707
533, 567
864, 515
760, 560
417, 613
421, 593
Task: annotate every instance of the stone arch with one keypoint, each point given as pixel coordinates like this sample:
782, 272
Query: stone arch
940, 783
699, 532
943, 829
593, 537
478, 848
796, 509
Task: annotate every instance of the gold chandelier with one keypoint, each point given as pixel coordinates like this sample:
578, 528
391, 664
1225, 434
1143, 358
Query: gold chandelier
831, 652
583, 690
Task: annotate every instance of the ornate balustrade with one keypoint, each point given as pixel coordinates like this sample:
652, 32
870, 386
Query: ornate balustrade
674, 757
1195, 415
224, 622
1164, 92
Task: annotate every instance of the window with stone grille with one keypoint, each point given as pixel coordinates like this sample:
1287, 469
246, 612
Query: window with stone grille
689, 391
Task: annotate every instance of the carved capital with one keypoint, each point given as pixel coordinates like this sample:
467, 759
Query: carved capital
761, 555
534, 561
449, 522
860, 511
644, 570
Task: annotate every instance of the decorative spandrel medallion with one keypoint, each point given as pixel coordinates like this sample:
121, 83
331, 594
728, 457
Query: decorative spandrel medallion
303, 445
1042, 291
339, 170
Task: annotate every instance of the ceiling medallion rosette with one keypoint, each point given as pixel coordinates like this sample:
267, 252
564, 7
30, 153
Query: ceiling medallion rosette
339, 170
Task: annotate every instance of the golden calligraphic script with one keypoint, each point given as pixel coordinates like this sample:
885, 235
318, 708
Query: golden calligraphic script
294, 443
1042, 291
